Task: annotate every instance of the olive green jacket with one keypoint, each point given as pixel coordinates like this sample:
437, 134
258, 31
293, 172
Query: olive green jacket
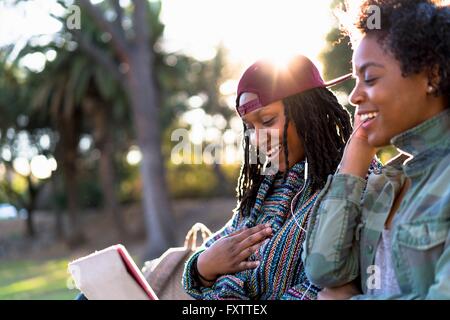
350, 214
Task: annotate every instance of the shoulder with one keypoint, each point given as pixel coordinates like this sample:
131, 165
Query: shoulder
438, 179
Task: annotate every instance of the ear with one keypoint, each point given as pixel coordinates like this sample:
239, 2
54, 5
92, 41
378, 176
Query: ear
434, 80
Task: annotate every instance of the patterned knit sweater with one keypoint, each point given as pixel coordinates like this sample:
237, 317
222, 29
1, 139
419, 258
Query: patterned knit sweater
280, 274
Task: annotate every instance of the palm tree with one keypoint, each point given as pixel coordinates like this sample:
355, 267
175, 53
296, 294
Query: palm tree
52, 97
132, 65
12, 106
107, 66
73, 95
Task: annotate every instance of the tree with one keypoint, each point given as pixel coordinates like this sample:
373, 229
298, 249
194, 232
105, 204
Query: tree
74, 98
79, 92
213, 74
337, 56
132, 65
12, 128
53, 98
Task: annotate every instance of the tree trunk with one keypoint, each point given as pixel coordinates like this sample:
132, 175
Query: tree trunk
137, 54
32, 193
69, 146
75, 234
103, 140
30, 231
59, 225
156, 205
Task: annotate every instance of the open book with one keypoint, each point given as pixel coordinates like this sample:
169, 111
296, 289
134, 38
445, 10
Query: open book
110, 274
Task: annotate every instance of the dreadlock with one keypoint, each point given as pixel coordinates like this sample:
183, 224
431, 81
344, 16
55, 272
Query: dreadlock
250, 177
285, 146
323, 126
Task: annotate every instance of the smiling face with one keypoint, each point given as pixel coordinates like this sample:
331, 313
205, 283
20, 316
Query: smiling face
389, 102
272, 119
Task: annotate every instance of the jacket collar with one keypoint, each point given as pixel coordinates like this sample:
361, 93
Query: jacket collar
424, 144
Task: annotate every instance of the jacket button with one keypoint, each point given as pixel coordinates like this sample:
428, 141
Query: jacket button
369, 249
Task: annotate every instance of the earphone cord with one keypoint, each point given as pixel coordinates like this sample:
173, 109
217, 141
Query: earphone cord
306, 178
304, 293
303, 187
293, 202
295, 218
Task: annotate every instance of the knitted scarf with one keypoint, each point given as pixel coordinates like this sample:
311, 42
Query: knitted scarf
280, 274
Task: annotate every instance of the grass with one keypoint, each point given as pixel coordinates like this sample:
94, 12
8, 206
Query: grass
32, 280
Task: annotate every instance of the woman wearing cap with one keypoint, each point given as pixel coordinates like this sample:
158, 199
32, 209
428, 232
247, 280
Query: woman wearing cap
396, 240
256, 255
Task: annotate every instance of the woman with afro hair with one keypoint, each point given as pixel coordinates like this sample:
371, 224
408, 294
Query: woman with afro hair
388, 237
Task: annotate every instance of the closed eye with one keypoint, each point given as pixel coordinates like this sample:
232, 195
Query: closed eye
370, 81
268, 122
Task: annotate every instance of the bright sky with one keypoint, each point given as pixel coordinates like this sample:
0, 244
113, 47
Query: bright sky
249, 29
25, 20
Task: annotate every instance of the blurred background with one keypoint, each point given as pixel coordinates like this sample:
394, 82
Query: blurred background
117, 121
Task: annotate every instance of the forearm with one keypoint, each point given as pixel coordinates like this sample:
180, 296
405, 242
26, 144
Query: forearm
191, 283
331, 247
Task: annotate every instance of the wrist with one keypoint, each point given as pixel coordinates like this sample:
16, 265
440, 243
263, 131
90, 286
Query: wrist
357, 158
202, 270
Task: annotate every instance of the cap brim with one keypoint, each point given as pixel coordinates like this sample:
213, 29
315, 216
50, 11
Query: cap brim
338, 80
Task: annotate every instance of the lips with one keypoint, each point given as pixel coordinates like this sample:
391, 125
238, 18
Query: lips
273, 152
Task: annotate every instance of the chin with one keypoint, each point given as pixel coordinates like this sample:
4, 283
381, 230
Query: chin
377, 141
281, 165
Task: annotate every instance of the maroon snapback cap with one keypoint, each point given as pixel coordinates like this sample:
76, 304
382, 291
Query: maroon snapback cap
271, 82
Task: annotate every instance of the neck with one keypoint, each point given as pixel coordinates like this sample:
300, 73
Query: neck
435, 105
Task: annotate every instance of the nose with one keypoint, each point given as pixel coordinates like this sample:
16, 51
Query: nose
357, 95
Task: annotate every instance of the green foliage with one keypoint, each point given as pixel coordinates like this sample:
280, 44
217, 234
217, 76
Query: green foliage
130, 185
337, 59
90, 193
65, 83
199, 181
337, 56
